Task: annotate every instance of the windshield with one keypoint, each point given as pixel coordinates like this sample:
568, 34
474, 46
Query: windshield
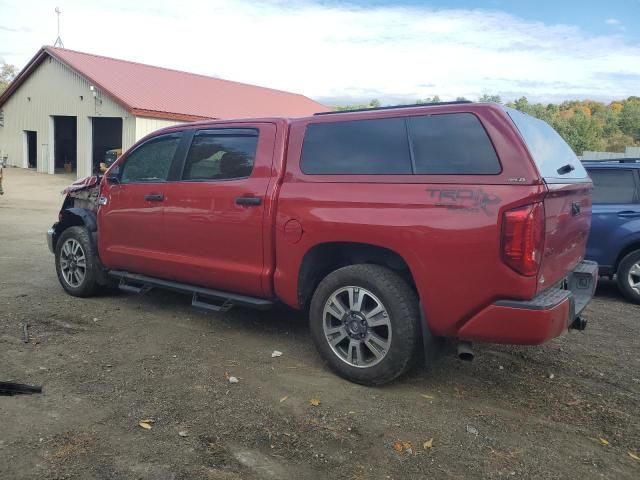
553, 157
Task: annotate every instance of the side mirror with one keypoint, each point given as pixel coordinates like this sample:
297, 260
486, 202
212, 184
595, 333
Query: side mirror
113, 179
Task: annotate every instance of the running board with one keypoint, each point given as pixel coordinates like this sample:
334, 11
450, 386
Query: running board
125, 287
201, 302
205, 298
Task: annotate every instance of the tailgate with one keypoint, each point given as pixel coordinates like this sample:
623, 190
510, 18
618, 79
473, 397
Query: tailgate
568, 219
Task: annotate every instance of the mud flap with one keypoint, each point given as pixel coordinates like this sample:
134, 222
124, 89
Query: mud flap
432, 346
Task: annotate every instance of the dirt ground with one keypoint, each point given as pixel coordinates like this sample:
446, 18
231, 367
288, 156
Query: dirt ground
568, 409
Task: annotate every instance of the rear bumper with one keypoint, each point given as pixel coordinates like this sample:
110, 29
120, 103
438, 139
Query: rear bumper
535, 321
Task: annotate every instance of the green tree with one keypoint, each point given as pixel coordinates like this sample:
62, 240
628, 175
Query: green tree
434, 99
7, 74
581, 132
490, 98
630, 119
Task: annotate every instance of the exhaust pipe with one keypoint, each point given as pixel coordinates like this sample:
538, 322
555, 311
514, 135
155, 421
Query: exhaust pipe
579, 323
465, 351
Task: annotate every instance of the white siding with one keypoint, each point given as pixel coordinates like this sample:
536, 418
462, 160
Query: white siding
145, 126
54, 89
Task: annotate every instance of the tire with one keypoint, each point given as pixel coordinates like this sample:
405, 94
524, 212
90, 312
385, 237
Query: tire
396, 327
77, 277
628, 276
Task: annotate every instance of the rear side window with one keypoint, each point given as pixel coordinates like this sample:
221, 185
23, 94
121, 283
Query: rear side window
613, 186
356, 147
455, 143
220, 155
151, 161
551, 154
434, 144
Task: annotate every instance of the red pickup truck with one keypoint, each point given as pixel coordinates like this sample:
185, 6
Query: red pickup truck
391, 227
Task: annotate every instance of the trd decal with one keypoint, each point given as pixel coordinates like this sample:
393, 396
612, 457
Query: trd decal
468, 199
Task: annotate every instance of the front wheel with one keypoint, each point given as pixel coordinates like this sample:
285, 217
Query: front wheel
76, 263
364, 322
628, 276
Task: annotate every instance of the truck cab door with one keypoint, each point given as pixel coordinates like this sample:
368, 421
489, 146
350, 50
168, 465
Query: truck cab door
131, 220
615, 204
216, 212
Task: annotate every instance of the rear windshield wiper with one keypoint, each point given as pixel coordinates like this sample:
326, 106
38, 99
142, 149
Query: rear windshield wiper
566, 169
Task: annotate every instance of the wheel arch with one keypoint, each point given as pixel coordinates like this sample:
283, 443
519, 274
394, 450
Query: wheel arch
77, 217
324, 258
630, 247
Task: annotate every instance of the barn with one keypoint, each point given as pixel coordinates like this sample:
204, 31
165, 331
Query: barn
66, 109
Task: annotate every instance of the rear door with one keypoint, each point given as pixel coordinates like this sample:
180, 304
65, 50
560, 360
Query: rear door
131, 223
215, 211
615, 204
567, 205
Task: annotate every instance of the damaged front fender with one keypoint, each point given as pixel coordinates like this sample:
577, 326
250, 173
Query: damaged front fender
79, 208
83, 193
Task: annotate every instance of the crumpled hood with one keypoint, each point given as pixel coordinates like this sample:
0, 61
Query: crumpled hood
82, 184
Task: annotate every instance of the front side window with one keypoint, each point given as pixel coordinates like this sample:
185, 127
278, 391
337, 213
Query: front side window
151, 161
219, 155
356, 147
613, 186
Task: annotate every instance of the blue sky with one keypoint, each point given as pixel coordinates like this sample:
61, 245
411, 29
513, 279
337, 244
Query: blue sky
598, 17
341, 52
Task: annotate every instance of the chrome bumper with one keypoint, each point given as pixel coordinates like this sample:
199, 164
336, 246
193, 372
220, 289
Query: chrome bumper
50, 234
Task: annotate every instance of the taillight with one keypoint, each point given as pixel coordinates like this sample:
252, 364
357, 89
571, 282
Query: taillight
523, 238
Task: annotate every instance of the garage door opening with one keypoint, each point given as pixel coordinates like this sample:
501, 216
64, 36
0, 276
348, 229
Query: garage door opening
106, 140
31, 143
65, 143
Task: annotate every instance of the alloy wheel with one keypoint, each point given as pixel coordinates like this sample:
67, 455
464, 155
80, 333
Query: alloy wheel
73, 263
357, 326
634, 277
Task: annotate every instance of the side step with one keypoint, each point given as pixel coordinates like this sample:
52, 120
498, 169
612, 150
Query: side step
205, 298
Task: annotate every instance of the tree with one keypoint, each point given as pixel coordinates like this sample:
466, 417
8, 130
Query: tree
630, 118
7, 74
490, 98
581, 132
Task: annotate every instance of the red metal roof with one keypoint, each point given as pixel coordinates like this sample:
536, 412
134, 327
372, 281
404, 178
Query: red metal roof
158, 92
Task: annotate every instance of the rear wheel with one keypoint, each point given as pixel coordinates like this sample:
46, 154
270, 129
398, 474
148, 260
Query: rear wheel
76, 263
628, 275
364, 322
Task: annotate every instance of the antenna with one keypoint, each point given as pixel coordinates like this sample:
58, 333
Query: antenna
58, 43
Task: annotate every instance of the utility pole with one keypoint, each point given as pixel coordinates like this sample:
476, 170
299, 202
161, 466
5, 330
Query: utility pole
58, 43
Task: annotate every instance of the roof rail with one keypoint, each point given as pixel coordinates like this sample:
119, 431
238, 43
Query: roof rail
392, 107
613, 160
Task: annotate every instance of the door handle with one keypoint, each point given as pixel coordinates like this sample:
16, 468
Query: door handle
629, 214
154, 197
249, 201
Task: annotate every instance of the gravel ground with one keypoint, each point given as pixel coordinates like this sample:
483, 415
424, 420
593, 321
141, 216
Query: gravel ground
568, 409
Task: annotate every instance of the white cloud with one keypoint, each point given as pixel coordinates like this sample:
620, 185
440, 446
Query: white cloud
328, 51
612, 21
